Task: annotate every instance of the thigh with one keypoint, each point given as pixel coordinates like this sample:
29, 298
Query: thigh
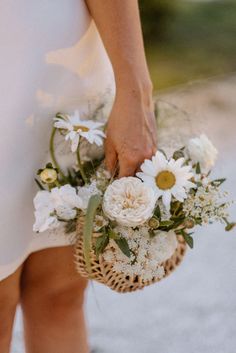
50, 273
10, 285
10, 292
9, 298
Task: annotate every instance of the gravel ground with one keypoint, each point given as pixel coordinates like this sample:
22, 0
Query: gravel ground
193, 310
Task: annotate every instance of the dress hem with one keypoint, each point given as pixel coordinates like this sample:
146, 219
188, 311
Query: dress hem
36, 245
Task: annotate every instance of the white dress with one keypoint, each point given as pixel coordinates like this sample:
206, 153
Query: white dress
52, 59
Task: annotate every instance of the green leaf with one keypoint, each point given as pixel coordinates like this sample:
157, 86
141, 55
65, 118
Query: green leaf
178, 154
157, 212
198, 168
230, 226
166, 223
101, 244
187, 237
112, 234
176, 208
123, 245
198, 221
60, 115
49, 165
218, 182
178, 222
39, 171
94, 203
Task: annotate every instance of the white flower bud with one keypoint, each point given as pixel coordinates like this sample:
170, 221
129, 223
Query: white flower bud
153, 223
201, 150
48, 175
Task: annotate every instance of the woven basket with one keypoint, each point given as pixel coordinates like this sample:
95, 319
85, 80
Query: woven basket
103, 272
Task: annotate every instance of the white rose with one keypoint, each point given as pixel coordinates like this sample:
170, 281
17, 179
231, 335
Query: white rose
201, 149
44, 221
66, 201
66, 195
129, 201
60, 203
44, 209
163, 246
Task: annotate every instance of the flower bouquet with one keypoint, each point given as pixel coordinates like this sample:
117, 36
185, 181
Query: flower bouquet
132, 231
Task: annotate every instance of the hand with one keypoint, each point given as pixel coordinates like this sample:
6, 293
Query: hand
131, 131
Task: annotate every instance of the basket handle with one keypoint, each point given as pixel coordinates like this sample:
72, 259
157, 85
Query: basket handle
94, 203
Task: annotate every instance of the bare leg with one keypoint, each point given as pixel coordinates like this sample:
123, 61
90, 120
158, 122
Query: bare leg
9, 298
52, 296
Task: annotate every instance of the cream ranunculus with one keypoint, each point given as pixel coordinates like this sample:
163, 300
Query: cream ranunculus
201, 149
129, 201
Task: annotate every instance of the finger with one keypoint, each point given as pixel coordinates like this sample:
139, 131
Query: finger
127, 168
110, 157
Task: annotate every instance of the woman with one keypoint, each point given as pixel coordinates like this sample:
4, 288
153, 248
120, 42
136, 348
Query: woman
53, 59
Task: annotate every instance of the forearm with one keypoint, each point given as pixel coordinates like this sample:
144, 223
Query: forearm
118, 23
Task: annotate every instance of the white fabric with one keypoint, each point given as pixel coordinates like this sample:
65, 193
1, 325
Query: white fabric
52, 59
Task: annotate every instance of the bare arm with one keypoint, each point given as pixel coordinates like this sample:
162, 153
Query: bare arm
131, 133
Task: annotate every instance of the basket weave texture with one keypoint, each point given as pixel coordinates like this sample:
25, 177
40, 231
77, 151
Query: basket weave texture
102, 271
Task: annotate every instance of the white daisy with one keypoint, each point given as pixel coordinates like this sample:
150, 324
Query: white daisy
76, 127
167, 177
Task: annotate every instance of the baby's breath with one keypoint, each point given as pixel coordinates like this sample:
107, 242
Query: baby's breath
206, 204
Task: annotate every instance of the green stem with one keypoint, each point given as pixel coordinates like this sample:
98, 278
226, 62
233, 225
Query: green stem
81, 169
52, 152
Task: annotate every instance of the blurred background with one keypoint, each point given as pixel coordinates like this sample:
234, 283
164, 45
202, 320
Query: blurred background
188, 40
191, 53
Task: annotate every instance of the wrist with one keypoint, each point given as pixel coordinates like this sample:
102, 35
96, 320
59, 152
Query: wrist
136, 89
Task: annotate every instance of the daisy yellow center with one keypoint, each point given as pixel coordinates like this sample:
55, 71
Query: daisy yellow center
165, 180
80, 127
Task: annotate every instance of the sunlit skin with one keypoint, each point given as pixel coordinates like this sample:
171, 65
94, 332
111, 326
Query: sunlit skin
131, 132
47, 286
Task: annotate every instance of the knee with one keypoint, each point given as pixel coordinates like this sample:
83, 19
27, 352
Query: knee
69, 295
